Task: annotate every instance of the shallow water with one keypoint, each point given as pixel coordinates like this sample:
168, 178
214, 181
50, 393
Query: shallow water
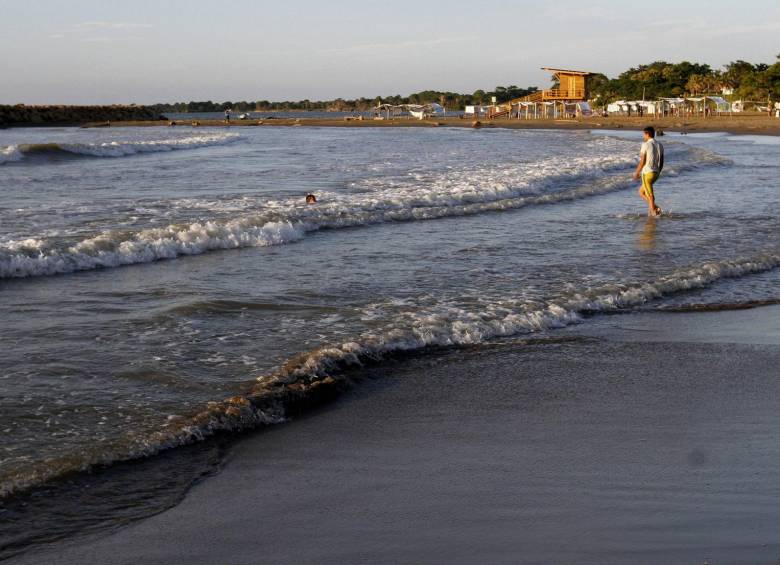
145, 273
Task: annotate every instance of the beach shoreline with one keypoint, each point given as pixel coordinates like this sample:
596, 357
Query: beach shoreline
607, 444
736, 125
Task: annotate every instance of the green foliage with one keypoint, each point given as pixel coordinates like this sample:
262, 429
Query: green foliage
450, 100
661, 79
750, 81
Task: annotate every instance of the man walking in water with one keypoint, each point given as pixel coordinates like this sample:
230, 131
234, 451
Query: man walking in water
651, 163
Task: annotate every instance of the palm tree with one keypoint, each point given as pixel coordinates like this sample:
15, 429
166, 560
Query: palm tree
695, 84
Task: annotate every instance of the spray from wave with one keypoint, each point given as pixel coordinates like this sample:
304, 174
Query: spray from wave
482, 189
10, 154
317, 375
13, 153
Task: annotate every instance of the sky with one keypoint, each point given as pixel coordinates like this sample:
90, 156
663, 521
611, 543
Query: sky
144, 51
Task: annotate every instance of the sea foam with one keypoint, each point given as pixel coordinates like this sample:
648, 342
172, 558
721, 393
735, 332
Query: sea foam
460, 193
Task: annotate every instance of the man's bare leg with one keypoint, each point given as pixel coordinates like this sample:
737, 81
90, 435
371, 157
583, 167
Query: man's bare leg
654, 210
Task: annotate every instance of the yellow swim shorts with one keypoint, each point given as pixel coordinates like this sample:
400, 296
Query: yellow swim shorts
648, 180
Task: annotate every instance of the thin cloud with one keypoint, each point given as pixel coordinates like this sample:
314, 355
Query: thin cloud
111, 25
710, 30
369, 48
579, 14
102, 32
107, 38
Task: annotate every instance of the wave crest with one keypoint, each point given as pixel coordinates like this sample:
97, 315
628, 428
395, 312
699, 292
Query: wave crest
114, 148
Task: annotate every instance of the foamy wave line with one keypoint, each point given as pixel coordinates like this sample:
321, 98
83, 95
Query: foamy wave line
115, 148
36, 257
317, 375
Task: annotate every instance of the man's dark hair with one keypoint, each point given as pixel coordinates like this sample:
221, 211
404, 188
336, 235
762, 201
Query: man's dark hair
649, 130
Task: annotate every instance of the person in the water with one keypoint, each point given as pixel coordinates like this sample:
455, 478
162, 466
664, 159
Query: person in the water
311, 199
651, 163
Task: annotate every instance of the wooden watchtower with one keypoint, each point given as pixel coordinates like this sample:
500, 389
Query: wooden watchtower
572, 87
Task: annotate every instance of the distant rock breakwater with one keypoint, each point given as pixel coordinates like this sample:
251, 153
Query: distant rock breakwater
22, 115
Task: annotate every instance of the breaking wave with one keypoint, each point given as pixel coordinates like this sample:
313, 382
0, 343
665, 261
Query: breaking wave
470, 192
316, 375
10, 153
113, 148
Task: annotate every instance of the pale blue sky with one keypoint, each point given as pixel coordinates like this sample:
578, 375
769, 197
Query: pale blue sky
88, 51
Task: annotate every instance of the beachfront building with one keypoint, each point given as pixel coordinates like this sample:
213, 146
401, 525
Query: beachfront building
568, 99
477, 111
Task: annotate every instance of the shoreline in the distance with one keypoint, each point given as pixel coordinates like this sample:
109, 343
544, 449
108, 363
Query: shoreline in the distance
737, 125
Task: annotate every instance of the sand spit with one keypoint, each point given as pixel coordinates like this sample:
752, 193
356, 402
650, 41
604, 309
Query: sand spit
739, 125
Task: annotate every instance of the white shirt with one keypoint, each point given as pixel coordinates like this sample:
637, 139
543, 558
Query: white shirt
653, 152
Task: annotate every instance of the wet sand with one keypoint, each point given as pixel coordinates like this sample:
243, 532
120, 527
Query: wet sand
639, 438
752, 125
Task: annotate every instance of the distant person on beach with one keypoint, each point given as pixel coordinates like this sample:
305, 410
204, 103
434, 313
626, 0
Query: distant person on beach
227, 116
651, 163
311, 199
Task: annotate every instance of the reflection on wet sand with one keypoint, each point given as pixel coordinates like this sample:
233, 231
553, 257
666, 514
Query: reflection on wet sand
647, 237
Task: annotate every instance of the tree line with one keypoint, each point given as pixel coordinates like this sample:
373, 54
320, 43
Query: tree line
450, 100
747, 81
744, 80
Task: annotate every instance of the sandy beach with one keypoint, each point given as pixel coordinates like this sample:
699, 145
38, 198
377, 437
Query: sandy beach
736, 124
641, 438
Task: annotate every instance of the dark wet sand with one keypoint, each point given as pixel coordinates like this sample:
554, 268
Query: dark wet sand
653, 439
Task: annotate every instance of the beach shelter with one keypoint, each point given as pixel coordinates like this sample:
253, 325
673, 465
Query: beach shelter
387, 111
708, 105
676, 106
584, 110
720, 104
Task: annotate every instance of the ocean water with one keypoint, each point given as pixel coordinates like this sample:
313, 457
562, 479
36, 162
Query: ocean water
159, 285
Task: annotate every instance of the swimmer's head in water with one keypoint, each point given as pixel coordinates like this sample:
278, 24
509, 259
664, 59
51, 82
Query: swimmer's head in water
311, 199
